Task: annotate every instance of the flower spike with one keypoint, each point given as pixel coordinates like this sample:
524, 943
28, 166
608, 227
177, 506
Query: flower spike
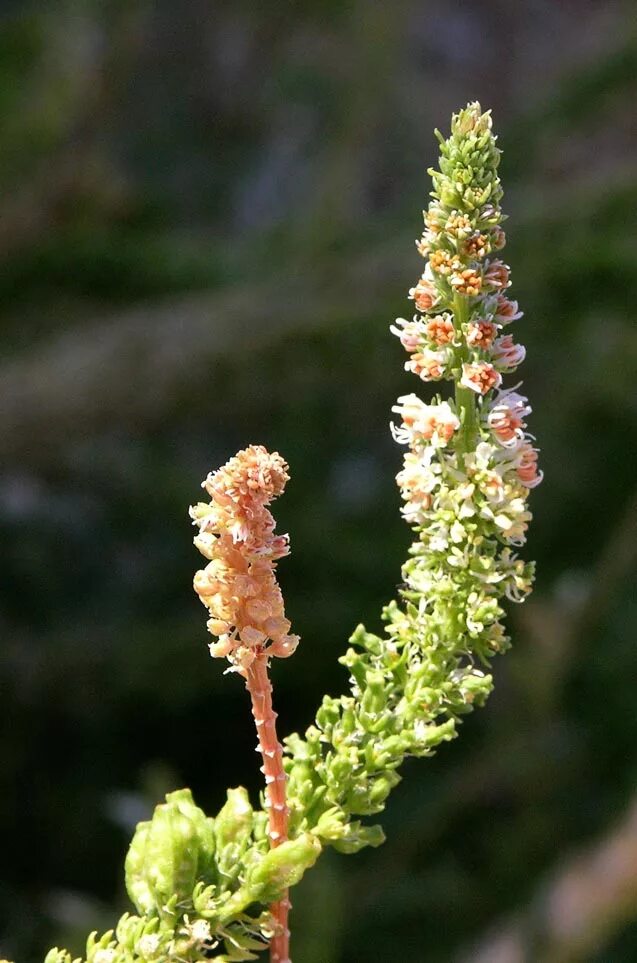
242, 595
236, 533
466, 498
465, 481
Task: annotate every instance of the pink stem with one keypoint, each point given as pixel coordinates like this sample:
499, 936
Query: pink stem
260, 689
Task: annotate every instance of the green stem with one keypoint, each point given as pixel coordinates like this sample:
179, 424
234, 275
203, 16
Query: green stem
465, 397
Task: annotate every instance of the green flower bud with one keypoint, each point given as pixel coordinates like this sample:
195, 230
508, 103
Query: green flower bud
357, 837
58, 956
234, 823
328, 713
137, 885
366, 798
383, 754
283, 867
342, 766
331, 825
167, 854
233, 832
100, 950
374, 697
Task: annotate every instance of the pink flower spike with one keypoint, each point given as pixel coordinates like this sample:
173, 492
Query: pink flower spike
238, 586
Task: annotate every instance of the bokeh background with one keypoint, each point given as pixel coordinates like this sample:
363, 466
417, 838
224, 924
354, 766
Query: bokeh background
207, 214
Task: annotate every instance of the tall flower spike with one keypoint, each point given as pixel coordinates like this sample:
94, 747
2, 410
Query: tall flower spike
247, 617
466, 478
466, 484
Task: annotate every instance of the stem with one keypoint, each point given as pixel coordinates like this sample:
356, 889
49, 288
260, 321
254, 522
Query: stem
465, 397
260, 688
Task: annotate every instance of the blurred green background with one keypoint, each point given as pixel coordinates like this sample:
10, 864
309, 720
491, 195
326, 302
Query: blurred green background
207, 213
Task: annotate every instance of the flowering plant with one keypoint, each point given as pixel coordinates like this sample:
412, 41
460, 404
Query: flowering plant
217, 888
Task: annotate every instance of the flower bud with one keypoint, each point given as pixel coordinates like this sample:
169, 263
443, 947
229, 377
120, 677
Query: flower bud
168, 852
283, 867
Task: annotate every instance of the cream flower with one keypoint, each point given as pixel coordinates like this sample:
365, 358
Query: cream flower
429, 365
421, 422
480, 377
424, 294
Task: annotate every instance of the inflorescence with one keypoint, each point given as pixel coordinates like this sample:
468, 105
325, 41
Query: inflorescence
216, 889
471, 462
465, 482
236, 534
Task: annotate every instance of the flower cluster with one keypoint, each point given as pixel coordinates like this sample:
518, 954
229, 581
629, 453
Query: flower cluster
199, 886
465, 482
236, 533
470, 464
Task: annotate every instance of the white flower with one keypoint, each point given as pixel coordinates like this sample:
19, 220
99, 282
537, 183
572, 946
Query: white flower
148, 945
457, 532
458, 559
200, 931
438, 542
421, 422
483, 456
104, 956
410, 333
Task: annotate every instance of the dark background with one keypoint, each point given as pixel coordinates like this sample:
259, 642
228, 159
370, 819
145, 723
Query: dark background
207, 213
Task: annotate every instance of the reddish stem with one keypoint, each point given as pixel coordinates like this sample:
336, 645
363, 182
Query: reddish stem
260, 689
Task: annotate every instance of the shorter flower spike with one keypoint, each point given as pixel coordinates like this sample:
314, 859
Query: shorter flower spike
239, 589
236, 534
